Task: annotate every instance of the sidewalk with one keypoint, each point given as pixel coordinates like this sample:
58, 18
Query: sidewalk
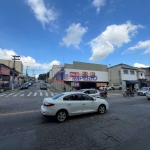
115, 92
10, 90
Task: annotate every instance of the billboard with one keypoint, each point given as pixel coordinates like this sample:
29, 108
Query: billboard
81, 75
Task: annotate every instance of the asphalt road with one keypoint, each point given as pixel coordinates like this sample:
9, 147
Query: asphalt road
126, 126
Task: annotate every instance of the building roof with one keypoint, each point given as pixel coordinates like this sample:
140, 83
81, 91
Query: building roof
124, 66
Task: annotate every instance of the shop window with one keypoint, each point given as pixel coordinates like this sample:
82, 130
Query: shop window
132, 72
125, 71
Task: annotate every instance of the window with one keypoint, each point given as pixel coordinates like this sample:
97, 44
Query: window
87, 92
125, 71
132, 72
92, 91
141, 74
73, 97
57, 96
87, 98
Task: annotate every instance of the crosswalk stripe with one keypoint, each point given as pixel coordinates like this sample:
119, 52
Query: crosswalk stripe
29, 94
22, 95
15, 95
9, 94
2, 95
46, 93
52, 93
35, 94
41, 94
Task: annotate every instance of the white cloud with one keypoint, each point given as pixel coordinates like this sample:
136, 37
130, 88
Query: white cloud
140, 45
42, 13
74, 35
28, 61
140, 65
6, 54
98, 4
113, 36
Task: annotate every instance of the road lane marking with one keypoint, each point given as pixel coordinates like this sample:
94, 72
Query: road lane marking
46, 93
16, 95
19, 113
29, 94
35, 94
41, 94
22, 95
52, 94
9, 94
3, 95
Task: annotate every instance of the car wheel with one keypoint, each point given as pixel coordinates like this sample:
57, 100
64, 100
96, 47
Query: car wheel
101, 109
61, 116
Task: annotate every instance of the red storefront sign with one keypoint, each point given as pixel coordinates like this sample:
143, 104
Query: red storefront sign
74, 74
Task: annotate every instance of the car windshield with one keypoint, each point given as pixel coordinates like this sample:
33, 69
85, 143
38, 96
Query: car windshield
57, 96
144, 89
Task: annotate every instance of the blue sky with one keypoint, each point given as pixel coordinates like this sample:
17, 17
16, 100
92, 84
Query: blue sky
47, 32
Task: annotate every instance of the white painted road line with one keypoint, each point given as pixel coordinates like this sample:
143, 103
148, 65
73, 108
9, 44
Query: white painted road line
15, 95
29, 94
22, 95
2, 95
46, 93
41, 94
9, 94
52, 93
35, 94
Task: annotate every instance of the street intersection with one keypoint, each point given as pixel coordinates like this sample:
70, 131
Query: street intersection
22, 127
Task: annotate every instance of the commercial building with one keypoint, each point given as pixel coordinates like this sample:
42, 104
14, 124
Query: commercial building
81, 75
126, 76
10, 63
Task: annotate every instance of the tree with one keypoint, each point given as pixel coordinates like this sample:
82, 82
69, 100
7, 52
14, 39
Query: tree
42, 77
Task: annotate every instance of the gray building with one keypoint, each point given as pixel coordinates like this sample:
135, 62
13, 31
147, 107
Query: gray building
125, 76
147, 75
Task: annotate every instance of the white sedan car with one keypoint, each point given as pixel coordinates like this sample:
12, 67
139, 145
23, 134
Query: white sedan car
148, 95
72, 103
91, 92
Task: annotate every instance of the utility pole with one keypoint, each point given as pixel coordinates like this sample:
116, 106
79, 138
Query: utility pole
15, 57
27, 73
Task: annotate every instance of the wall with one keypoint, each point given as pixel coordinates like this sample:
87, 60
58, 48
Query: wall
89, 66
9, 63
114, 75
55, 69
128, 76
143, 75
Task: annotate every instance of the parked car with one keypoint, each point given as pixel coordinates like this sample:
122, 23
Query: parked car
43, 86
91, 92
105, 87
116, 88
143, 91
148, 94
24, 86
72, 103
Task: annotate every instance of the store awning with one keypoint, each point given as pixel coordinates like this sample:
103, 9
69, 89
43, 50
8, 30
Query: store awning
132, 82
